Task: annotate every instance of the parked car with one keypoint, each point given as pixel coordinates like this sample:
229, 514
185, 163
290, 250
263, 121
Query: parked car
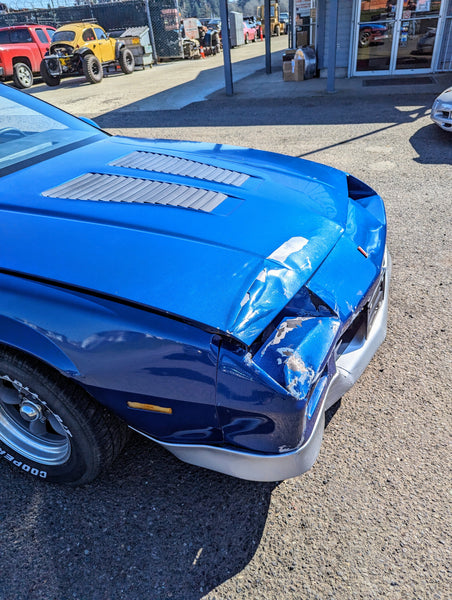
215, 299
442, 110
249, 33
372, 33
284, 19
426, 42
214, 24
211, 42
84, 49
22, 48
253, 23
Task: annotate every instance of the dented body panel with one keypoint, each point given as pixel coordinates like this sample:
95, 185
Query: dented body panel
239, 235
239, 290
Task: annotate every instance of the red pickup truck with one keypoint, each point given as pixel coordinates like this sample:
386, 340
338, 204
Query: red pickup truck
22, 48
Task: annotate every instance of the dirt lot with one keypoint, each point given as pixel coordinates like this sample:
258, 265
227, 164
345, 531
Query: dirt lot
371, 520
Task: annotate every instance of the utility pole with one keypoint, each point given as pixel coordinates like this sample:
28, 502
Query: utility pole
224, 15
332, 42
268, 35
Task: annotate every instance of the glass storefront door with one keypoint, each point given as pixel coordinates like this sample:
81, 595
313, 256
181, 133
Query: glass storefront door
396, 35
375, 35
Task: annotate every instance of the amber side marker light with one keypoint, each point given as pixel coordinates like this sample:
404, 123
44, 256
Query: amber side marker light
151, 407
363, 252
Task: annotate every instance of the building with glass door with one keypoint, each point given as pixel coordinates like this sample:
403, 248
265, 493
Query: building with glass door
385, 37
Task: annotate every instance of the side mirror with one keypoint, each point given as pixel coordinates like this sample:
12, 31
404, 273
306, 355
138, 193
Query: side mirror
89, 122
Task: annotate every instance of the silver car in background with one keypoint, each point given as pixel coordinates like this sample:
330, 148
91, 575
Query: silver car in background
442, 110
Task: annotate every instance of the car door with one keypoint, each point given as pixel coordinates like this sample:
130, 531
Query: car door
106, 50
43, 44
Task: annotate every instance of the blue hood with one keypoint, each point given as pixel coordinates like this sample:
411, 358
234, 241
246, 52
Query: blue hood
260, 226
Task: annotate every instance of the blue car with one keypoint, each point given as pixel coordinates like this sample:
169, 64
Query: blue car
216, 299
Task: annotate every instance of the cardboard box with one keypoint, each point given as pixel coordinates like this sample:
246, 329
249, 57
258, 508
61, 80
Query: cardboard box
293, 70
299, 69
288, 74
301, 38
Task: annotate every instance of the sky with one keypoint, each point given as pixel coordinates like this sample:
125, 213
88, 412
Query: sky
17, 4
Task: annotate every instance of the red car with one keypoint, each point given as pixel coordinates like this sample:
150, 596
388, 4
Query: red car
22, 48
372, 33
249, 33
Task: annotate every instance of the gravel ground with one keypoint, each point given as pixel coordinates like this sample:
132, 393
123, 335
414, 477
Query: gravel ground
371, 519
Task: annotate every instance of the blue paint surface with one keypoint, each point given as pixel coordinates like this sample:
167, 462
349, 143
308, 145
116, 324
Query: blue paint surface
230, 318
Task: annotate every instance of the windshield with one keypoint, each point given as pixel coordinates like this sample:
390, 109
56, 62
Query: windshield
29, 129
63, 36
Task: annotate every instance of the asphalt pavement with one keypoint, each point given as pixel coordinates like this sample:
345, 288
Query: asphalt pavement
371, 520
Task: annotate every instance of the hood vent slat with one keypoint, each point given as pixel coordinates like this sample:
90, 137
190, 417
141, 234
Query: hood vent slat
99, 187
173, 165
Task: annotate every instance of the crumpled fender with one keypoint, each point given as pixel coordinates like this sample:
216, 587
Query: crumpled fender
297, 351
285, 271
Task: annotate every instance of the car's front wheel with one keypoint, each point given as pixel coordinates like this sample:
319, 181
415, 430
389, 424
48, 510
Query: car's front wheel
92, 69
22, 76
364, 39
126, 61
51, 80
50, 428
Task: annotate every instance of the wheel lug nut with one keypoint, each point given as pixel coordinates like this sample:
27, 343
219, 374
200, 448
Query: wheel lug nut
29, 411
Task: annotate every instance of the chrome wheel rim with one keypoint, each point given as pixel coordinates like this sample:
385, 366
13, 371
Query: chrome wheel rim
28, 426
23, 75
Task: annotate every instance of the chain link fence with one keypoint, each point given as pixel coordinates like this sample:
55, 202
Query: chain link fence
162, 18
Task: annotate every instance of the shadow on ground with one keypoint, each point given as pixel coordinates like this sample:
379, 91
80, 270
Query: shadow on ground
433, 145
150, 523
381, 114
221, 111
67, 82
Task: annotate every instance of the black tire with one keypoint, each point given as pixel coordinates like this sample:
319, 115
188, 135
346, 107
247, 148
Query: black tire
50, 428
92, 69
126, 61
246, 38
22, 76
47, 78
364, 39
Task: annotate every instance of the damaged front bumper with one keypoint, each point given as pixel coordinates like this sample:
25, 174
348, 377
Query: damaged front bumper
350, 364
53, 65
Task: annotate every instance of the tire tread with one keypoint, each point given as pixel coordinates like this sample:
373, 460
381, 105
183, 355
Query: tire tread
108, 434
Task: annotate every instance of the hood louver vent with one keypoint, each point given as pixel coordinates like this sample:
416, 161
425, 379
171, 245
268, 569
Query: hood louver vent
97, 187
161, 163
